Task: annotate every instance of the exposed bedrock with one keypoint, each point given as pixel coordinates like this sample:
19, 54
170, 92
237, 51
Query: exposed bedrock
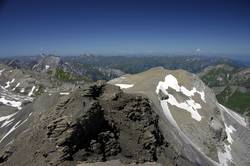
95, 123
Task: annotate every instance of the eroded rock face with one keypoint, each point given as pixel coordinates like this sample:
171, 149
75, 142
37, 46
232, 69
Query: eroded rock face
95, 123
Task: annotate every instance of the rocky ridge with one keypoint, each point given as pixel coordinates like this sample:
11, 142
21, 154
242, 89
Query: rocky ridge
95, 123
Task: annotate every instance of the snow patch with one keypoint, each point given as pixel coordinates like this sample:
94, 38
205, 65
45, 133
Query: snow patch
22, 90
31, 91
11, 103
171, 81
9, 82
1, 71
229, 130
189, 105
125, 86
225, 156
47, 67
17, 85
64, 93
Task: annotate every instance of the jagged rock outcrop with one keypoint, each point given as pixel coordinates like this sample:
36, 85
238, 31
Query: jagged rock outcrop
95, 123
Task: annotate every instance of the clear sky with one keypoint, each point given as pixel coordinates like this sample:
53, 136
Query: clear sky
124, 26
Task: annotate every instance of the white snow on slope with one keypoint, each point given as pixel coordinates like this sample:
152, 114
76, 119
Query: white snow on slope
167, 113
229, 130
2, 70
22, 90
225, 156
125, 86
187, 140
9, 82
7, 122
31, 91
64, 93
11, 103
10, 131
171, 81
7, 97
7, 119
189, 105
17, 85
47, 67
235, 116
3, 118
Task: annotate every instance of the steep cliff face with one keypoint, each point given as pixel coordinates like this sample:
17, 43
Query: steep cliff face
201, 129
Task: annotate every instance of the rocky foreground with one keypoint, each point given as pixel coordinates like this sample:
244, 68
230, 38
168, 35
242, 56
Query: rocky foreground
94, 123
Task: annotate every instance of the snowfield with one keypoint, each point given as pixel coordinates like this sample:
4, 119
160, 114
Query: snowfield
171, 82
125, 86
31, 91
64, 93
9, 98
11, 103
189, 105
9, 82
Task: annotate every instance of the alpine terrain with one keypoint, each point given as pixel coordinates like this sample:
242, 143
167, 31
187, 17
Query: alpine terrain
191, 119
157, 117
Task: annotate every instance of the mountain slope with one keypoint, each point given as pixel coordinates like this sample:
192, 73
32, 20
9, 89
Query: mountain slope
97, 122
164, 117
204, 130
231, 85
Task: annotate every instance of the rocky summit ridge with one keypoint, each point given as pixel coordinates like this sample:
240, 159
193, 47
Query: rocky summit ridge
203, 130
95, 123
157, 117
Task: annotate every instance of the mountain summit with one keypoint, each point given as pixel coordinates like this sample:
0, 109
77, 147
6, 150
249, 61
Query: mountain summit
204, 131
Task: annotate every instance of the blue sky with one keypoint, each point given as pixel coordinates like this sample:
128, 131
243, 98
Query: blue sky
63, 27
